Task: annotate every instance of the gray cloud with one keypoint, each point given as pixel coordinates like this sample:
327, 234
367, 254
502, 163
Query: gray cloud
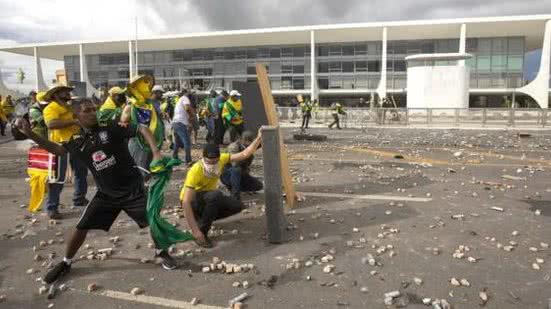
237, 14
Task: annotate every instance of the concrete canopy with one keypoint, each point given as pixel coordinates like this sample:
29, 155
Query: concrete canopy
531, 27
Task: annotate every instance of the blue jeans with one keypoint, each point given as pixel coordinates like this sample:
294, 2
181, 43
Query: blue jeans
181, 140
81, 184
238, 180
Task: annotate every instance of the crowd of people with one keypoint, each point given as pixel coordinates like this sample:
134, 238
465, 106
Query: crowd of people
119, 140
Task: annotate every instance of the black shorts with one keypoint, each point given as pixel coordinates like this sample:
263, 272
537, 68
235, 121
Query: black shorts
103, 210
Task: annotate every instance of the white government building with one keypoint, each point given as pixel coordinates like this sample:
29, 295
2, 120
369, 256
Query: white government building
450, 63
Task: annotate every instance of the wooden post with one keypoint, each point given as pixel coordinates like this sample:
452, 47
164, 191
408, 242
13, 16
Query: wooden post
273, 120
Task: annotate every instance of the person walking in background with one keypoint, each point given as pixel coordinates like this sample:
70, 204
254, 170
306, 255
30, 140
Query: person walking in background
232, 113
36, 116
306, 109
337, 110
180, 126
219, 126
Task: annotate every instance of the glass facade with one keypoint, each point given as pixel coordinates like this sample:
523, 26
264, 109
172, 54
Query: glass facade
497, 63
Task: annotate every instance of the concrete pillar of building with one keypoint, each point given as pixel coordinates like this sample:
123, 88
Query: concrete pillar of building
130, 60
381, 89
313, 73
463, 43
273, 195
90, 89
39, 78
538, 89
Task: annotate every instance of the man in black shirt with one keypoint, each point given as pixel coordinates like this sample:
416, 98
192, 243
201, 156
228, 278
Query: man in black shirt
105, 152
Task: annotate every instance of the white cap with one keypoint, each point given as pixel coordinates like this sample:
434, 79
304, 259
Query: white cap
235, 93
157, 88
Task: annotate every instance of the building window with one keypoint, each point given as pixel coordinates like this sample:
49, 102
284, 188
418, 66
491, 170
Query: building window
298, 83
335, 82
348, 50
335, 50
514, 63
483, 63
361, 66
361, 82
286, 68
264, 53
323, 83
516, 46
399, 65
298, 69
499, 63
286, 82
348, 82
360, 49
275, 52
252, 53
298, 52
348, 66
374, 66
286, 52
323, 51
335, 66
323, 67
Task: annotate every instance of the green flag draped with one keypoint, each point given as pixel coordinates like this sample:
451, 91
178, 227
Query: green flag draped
164, 233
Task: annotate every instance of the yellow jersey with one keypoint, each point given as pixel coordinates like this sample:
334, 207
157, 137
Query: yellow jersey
196, 179
55, 111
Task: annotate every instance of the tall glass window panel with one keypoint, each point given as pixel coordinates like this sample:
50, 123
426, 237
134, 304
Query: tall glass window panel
275, 52
275, 67
298, 52
399, 65
323, 83
275, 82
323, 67
323, 51
265, 53
499, 63
252, 53
286, 68
286, 82
484, 46
361, 82
298, 69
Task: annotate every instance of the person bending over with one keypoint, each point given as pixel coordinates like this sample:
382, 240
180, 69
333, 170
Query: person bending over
200, 198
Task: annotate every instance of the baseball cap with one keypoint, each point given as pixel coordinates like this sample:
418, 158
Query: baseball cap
211, 151
235, 93
157, 88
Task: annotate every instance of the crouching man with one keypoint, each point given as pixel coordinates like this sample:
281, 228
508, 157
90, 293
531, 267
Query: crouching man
236, 175
103, 149
201, 200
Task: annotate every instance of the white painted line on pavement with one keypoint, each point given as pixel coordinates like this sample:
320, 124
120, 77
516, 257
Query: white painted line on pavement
369, 197
151, 300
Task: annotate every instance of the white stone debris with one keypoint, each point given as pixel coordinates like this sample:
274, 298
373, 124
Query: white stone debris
92, 287
536, 266
245, 284
194, 301
537, 212
465, 282
364, 289
454, 282
418, 280
472, 259
236, 284
329, 268
205, 269
515, 233
42, 290
137, 291
237, 299
496, 208
427, 301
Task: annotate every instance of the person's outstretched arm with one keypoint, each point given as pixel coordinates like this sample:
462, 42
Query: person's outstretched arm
247, 152
24, 126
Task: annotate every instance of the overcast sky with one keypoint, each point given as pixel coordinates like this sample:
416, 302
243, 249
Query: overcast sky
29, 21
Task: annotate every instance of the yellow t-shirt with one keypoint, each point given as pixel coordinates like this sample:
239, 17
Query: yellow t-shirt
197, 181
55, 111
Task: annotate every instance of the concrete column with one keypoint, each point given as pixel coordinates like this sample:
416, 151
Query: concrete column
39, 78
273, 194
90, 90
130, 60
539, 87
82, 63
313, 79
463, 43
381, 90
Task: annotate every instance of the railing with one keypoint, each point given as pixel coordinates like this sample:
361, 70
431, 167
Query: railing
423, 117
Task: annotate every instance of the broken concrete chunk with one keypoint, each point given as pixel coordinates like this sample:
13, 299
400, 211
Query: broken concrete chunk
496, 208
42, 290
417, 280
205, 269
237, 299
245, 284
427, 301
364, 289
236, 284
465, 282
539, 260
194, 301
536, 266
329, 268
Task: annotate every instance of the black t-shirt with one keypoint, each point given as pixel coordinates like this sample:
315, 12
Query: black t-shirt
104, 150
